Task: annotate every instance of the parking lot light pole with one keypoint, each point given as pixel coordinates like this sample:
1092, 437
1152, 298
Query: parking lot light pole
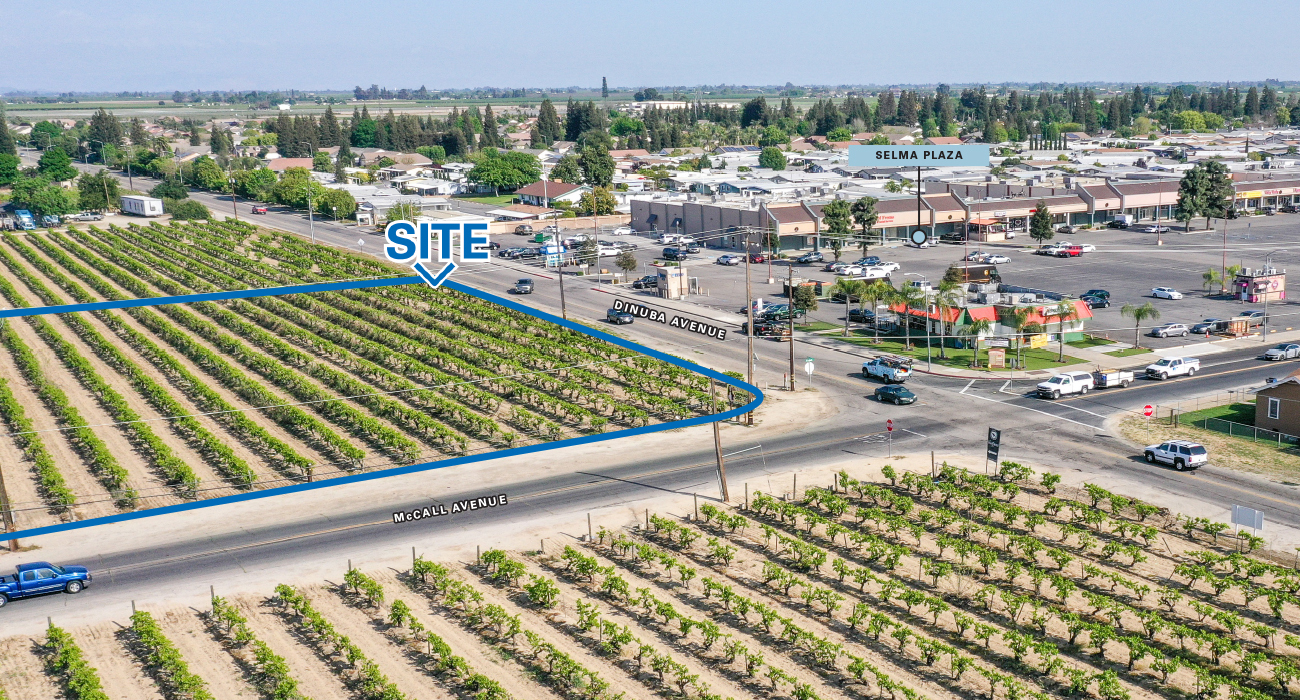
749, 313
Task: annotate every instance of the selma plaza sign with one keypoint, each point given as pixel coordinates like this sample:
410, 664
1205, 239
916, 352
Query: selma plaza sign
918, 156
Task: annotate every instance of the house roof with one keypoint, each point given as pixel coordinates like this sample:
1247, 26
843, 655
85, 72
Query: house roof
629, 153
944, 141
286, 163
548, 189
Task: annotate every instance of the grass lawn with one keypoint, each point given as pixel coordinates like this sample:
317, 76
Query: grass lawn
499, 200
1034, 358
1235, 412
1090, 341
1127, 352
1280, 463
820, 326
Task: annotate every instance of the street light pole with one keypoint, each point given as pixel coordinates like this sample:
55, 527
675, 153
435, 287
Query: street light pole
789, 289
749, 312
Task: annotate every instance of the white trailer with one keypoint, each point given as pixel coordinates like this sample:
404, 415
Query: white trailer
141, 206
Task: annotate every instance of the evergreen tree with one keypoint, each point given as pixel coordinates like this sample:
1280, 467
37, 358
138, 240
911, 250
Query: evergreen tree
139, 137
535, 138
7, 145
330, 133
886, 108
467, 132
1252, 104
548, 123
604, 88
105, 128
490, 137
1040, 224
597, 166
56, 165
567, 170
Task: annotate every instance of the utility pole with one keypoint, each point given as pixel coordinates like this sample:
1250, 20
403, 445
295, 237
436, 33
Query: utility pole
233, 207
790, 293
555, 238
311, 218
749, 312
717, 446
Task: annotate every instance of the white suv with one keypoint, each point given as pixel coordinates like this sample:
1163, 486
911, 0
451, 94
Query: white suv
1182, 454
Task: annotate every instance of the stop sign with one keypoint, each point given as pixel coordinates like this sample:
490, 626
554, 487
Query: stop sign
889, 425
1147, 410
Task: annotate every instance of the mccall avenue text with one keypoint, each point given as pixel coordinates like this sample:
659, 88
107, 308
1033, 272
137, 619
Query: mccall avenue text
434, 511
678, 321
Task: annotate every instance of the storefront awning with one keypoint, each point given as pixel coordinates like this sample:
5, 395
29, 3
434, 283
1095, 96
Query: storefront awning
985, 222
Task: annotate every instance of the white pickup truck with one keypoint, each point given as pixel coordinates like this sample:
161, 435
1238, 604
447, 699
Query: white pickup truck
1064, 384
1173, 367
888, 368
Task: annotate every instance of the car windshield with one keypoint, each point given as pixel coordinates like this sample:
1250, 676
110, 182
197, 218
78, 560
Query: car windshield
1198, 450
1163, 363
1282, 347
1056, 380
59, 569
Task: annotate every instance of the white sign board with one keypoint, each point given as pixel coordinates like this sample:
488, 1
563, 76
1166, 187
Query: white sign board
1248, 517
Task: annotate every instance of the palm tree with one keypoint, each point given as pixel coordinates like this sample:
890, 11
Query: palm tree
945, 299
1064, 310
908, 296
1017, 319
973, 330
874, 293
1139, 314
1211, 277
849, 288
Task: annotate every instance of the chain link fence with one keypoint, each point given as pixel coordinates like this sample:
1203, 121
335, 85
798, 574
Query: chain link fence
1247, 431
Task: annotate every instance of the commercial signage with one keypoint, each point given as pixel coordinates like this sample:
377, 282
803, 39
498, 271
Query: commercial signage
994, 445
1253, 194
1038, 340
1248, 517
997, 358
913, 156
998, 342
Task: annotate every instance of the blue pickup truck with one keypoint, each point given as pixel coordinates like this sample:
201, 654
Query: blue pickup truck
42, 577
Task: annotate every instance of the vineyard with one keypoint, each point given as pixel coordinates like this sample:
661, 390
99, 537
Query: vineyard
958, 585
120, 410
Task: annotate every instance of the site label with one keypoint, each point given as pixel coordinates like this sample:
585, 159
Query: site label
652, 314
913, 156
412, 244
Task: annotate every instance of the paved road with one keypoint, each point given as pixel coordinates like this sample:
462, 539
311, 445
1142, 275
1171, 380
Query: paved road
1072, 433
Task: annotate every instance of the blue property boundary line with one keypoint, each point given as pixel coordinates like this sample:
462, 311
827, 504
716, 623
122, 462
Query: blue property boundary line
395, 471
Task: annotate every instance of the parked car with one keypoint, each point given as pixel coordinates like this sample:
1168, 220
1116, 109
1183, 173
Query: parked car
1066, 228
835, 267
868, 260
618, 318
730, 260
1168, 330
523, 286
42, 577
689, 247
1285, 351
1290, 208
953, 237
1069, 251
1095, 302
625, 245
551, 230
1173, 367
757, 257
88, 216
1117, 224
1166, 293
1154, 228
861, 316
647, 282
1097, 293
890, 369
607, 251
889, 265
808, 258
523, 230
528, 253
1064, 384
922, 244
493, 245
259, 210
1050, 248
674, 254
767, 329
1181, 454
509, 252
1210, 325
1254, 317
1270, 211
896, 394
996, 259
1085, 247
851, 271
623, 231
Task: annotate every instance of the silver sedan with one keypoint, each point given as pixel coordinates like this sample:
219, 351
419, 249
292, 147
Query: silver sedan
1285, 351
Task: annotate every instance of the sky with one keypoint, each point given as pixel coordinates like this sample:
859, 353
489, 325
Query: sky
148, 45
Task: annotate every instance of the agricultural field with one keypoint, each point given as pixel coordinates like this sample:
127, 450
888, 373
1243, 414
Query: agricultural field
121, 410
918, 587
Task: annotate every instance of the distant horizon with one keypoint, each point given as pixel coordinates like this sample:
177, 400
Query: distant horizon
153, 46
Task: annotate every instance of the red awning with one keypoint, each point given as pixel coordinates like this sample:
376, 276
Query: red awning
985, 222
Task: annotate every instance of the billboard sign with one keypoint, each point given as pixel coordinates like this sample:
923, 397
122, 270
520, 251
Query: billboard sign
914, 156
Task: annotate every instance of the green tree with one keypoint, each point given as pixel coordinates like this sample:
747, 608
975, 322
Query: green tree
865, 216
339, 204
850, 289
839, 134
804, 298
773, 136
567, 170
626, 261
1219, 191
837, 215
255, 184
170, 188
207, 175
44, 198
1063, 311
510, 171
1040, 224
1139, 314
974, 331
1191, 195
104, 128
946, 299
598, 202
7, 145
8, 168
56, 165
186, 209
597, 166
879, 140
548, 123
321, 163
97, 191
908, 297
772, 157
220, 141
875, 292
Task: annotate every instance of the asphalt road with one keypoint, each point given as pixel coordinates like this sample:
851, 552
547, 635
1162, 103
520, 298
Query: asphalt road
1072, 433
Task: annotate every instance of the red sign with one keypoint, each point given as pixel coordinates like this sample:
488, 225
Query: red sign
1147, 410
889, 425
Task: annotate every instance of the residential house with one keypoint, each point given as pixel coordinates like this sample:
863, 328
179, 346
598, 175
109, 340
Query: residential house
279, 165
546, 194
1277, 405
